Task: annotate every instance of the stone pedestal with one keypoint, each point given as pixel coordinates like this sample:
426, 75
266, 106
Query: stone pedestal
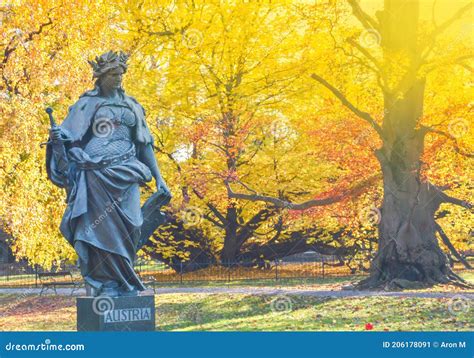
116, 313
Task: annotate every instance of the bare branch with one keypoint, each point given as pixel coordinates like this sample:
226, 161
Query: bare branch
253, 224
445, 198
466, 66
455, 201
215, 222
439, 29
366, 20
296, 243
451, 20
452, 139
366, 53
364, 115
430, 67
212, 208
356, 190
451, 247
11, 48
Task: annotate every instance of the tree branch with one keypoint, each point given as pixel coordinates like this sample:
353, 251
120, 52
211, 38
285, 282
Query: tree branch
439, 29
10, 48
356, 190
215, 222
445, 198
455, 201
247, 231
212, 208
367, 54
451, 247
452, 138
366, 20
451, 20
364, 115
297, 243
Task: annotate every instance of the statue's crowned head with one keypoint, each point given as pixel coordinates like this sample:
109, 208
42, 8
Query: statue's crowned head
109, 61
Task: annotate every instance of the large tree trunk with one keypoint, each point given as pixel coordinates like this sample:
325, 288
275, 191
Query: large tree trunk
232, 244
408, 252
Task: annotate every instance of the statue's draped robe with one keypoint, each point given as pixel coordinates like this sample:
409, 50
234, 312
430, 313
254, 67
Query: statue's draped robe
103, 218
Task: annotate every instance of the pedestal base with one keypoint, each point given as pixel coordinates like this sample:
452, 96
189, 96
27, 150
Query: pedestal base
116, 313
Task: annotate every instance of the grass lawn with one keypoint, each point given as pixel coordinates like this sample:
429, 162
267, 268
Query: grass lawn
322, 284
186, 311
224, 312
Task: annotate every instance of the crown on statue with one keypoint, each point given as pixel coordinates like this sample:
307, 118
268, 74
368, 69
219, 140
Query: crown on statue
109, 61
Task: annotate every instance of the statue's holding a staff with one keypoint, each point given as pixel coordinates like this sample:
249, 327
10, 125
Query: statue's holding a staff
100, 154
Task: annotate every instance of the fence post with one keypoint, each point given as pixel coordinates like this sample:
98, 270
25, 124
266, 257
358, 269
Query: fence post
228, 273
322, 263
181, 272
36, 275
276, 269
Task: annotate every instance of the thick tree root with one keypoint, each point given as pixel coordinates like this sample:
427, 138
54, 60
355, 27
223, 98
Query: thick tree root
395, 284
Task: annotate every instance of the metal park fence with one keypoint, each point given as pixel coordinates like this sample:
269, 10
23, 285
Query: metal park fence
275, 270
22, 275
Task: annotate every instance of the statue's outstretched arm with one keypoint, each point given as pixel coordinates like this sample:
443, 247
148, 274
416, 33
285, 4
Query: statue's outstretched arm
147, 156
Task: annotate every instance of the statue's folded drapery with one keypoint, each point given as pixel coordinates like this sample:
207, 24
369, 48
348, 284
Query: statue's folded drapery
103, 217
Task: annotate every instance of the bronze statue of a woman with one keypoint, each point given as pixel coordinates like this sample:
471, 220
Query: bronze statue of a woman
100, 154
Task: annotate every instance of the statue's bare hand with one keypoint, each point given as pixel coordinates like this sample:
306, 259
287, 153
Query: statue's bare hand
162, 188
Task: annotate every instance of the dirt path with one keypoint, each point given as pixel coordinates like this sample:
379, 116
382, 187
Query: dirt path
259, 291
